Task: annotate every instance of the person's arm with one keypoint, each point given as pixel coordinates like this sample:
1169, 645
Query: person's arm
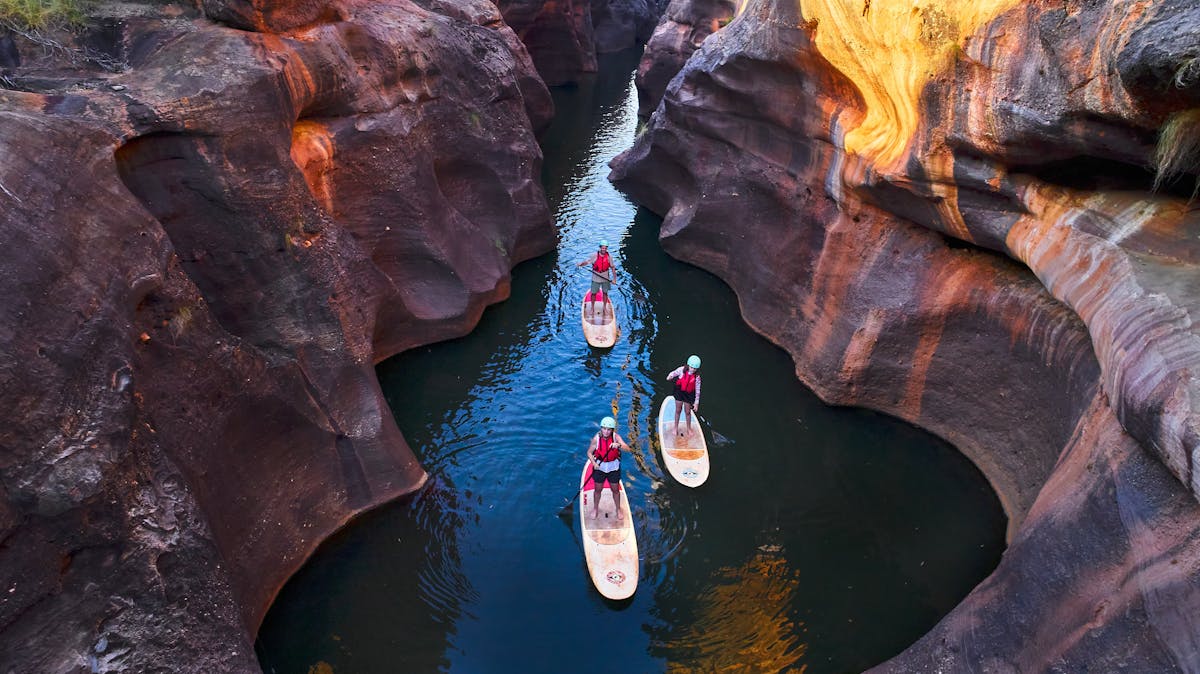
675, 374
590, 260
621, 444
696, 404
592, 451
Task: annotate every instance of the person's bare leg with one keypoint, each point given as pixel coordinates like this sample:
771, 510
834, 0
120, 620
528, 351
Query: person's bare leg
687, 414
678, 409
596, 500
616, 499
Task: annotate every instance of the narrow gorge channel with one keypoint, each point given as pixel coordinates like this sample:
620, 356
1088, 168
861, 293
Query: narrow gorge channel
826, 540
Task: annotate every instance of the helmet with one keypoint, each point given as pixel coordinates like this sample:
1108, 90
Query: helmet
608, 422
694, 362
604, 243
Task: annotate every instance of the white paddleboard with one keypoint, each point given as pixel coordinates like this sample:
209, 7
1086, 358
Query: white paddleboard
609, 545
686, 457
601, 331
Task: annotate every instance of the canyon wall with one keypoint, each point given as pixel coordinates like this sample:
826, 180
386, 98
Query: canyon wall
218, 219
564, 36
684, 27
943, 212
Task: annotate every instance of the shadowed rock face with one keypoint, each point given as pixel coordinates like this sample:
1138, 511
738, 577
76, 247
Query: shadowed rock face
848, 201
684, 26
621, 24
210, 246
564, 36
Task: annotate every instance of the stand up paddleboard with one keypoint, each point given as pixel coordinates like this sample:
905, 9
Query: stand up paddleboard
600, 331
686, 457
609, 545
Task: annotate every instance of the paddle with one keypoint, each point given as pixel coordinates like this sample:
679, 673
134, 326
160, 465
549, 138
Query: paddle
597, 277
566, 509
718, 439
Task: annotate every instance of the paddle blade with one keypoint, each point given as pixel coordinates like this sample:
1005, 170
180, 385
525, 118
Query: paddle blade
718, 439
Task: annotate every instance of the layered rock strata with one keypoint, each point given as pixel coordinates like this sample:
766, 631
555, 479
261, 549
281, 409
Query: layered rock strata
848, 201
217, 224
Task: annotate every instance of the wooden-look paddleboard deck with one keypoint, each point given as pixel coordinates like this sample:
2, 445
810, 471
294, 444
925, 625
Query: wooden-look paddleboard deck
600, 331
686, 457
609, 545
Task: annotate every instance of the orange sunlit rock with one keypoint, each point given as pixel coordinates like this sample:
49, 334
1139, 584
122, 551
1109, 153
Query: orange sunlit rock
891, 49
312, 151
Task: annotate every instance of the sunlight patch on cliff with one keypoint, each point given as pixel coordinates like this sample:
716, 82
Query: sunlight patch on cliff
891, 49
312, 152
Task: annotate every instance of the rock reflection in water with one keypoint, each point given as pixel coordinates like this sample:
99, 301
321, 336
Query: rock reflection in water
742, 622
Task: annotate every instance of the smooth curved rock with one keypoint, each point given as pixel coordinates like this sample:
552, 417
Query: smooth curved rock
206, 261
845, 206
684, 26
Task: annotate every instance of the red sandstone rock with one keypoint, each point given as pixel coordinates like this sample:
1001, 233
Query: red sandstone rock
622, 24
684, 26
852, 261
564, 36
208, 253
558, 34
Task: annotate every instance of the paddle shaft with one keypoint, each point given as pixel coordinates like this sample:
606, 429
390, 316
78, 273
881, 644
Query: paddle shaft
598, 278
572, 501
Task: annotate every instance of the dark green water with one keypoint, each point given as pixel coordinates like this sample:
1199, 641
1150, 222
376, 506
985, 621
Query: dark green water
825, 540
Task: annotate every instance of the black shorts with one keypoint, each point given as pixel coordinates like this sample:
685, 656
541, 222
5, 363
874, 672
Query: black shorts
684, 397
614, 478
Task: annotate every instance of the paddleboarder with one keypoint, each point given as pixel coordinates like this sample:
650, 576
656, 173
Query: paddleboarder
605, 452
603, 276
687, 391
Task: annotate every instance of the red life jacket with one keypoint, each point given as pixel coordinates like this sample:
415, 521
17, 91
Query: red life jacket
686, 382
606, 450
602, 263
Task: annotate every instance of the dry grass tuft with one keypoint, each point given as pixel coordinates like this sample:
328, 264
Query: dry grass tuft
1178, 151
35, 14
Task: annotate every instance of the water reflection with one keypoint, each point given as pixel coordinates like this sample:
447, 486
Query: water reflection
741, 623
825, 539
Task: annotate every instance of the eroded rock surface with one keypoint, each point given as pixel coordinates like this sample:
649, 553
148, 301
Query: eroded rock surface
621, 24
214, 232
845, 167
684, 27
564, 36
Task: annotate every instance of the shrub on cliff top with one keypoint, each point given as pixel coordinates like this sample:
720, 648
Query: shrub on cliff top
27, 14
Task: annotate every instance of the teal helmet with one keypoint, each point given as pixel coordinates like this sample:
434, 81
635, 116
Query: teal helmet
604, 243
694, 362
608, 422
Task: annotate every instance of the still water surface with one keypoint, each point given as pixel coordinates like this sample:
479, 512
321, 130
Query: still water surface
825, 540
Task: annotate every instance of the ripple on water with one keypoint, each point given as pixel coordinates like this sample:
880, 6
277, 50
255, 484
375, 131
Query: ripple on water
750, 573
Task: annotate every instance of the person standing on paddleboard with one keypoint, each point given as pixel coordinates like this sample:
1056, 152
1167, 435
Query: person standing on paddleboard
603, 276
605, 452
687, 391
